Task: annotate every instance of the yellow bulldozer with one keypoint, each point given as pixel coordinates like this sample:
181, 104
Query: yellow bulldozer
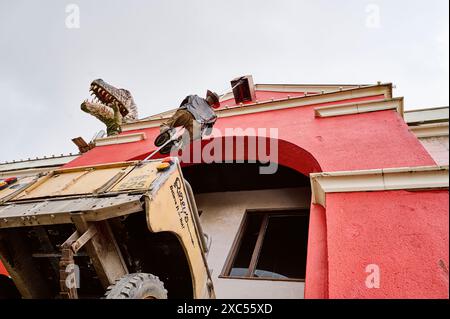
123, 230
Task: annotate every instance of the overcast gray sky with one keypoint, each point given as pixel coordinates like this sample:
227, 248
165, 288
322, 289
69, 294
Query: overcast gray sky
162, 50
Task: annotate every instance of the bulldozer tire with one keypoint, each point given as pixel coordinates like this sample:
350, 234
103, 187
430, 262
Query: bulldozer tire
137, 286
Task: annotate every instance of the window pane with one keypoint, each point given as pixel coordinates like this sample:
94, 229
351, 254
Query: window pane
247, 245
283, 253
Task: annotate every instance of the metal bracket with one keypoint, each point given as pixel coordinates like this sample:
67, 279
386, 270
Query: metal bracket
68, 249
83, 239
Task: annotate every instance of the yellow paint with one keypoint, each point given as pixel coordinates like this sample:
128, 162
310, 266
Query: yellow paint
81, 182
168, 210
140, 178
163, 166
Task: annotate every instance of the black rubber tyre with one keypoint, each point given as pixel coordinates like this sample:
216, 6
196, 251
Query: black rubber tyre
173, 145
166, 149
162, 138
137, 286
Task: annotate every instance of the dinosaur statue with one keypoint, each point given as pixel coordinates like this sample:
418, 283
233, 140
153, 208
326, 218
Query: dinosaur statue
110, 105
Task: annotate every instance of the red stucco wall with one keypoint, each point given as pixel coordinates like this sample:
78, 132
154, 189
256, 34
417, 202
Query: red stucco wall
317, 258
404, 233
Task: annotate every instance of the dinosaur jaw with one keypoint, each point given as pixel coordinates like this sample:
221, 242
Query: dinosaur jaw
103, 112
105, 95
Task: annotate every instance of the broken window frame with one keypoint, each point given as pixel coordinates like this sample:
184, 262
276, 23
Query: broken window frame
266, 213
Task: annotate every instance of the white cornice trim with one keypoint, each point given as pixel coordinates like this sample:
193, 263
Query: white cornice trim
142, 124
360, 107
427, 116
430, 130
297, 88
306, 87
120, 139
405, 178
264, 106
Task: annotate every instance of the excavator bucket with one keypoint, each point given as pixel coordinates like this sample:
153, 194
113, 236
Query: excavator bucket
92, 200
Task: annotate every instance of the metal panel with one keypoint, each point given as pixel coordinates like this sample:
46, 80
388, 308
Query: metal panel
59, 211
72, 182
140, 178
168, 209
21, 184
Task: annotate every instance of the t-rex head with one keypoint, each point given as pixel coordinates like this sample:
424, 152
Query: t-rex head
107, 97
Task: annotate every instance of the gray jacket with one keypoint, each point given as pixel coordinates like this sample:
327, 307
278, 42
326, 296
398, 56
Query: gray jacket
200, 109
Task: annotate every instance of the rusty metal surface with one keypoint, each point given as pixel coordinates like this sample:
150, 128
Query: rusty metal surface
80, 182
67, 276
100, 192
140, 178
116, 177
59, 211
19, 186
83, 239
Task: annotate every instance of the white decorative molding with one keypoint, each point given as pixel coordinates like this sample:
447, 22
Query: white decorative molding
297, 88
306, 87
430, 130
271, 105
428, 115
141, 125
423, 177
360, 107
120, 139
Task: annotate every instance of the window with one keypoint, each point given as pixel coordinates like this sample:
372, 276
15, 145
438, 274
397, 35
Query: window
270, 245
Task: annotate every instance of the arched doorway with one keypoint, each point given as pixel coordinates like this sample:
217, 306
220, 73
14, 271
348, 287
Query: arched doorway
259, 223
259, 227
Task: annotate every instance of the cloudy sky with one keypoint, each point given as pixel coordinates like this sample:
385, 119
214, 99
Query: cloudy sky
162, 50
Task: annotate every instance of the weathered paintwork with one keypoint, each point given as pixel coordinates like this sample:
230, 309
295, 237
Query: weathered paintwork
107, 191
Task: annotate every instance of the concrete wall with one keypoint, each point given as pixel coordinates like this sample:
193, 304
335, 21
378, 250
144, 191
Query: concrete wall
438, 148
221, 216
